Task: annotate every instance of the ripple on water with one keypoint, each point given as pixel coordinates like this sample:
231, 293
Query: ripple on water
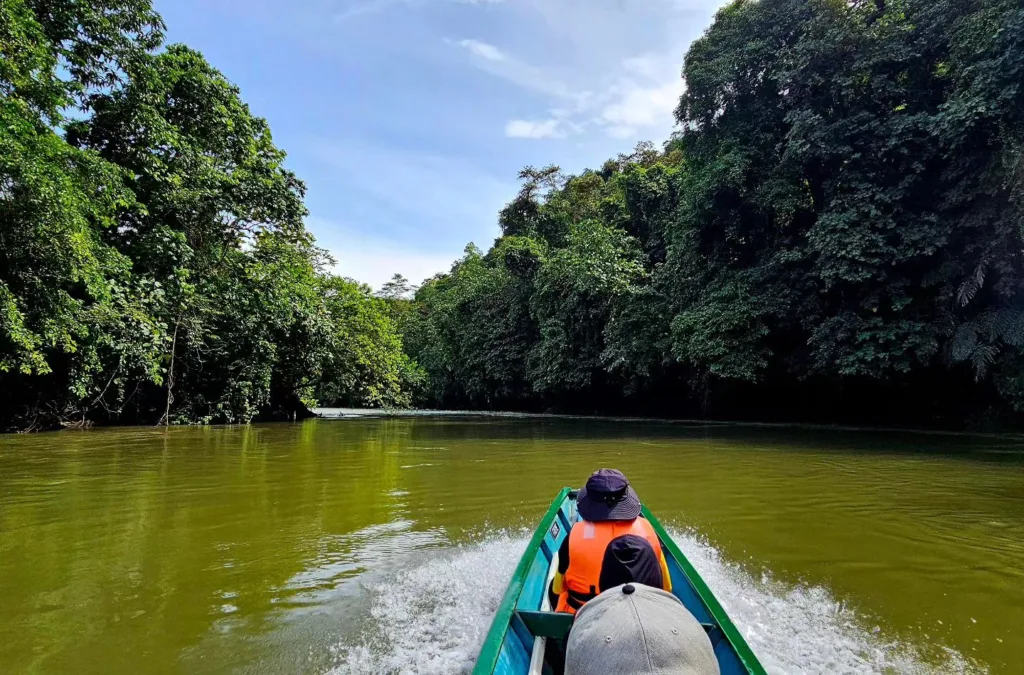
344, 557
431, 618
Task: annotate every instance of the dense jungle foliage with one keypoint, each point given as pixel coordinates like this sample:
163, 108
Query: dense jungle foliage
154, 265
835, 233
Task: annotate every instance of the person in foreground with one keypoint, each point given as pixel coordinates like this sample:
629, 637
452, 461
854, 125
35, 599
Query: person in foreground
638, 630
610, 545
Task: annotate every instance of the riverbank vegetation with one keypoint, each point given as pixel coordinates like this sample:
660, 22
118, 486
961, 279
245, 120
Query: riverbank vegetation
835, 233
154, 265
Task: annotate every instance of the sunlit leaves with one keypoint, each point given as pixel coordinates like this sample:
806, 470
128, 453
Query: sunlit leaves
839, 211
154, 264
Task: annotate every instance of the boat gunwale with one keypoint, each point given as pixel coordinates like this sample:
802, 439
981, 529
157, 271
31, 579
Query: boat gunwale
491, 649
703, 591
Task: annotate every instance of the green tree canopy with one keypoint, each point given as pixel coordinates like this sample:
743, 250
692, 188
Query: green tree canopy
835, 232
154, 264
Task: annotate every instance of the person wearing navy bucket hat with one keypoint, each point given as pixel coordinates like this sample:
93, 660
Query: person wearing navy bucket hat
607, 496
611, 544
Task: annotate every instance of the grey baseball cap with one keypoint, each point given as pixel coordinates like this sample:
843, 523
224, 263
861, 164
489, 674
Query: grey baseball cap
633, 629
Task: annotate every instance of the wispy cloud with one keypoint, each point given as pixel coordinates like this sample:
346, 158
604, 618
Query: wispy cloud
646, 65
410, 143
519, 72
423, 202
356, 8
634, 95
531, 129
640, 107
620, 131
374, 260
483, 50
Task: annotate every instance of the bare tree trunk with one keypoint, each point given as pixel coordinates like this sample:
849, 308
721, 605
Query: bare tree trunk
166, 419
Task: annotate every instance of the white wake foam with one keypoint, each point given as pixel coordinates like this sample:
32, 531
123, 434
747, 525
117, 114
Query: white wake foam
431, 618
804, 629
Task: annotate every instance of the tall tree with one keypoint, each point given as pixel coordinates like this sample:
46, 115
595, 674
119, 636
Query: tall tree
835, 232
65, 295
154, 262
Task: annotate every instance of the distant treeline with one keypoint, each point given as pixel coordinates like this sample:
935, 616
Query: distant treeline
154, 265
836, 233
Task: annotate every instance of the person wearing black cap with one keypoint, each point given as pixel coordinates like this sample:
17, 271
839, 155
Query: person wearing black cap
610, 545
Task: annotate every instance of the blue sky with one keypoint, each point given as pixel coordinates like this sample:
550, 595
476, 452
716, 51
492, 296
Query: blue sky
409, 119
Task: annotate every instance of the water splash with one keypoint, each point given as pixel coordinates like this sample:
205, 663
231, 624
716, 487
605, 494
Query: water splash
431, 617
804, 629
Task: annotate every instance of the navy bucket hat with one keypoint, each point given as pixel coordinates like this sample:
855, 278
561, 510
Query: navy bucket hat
607, 496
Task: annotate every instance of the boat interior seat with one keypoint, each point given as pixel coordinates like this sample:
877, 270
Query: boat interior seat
547, 624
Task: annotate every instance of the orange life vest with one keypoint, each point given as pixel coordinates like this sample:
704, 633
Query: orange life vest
587, 544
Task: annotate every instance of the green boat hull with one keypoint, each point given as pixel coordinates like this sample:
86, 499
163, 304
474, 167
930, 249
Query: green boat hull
523, 625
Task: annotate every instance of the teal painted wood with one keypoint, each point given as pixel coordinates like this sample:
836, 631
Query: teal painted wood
509, 644
505, 649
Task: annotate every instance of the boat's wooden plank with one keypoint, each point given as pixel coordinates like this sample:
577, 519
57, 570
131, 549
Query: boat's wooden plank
540, 645
684, 590
534, 588
523, 632
499, 631
537, 657
734, 642
514, 658
516, 640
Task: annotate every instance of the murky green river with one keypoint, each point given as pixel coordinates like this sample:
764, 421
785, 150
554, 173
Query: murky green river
382, 545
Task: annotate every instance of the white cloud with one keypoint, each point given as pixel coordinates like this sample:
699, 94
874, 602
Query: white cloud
359, 8
642, 99
528, 129
645, 65
404, 189
370, 7
493, 60
618, 72
399, 210
617, 131
483, 50
374, 261
639, 106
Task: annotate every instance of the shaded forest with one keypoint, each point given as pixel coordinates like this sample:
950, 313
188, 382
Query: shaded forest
834, 233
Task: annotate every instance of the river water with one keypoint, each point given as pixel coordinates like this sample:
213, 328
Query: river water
377, 545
